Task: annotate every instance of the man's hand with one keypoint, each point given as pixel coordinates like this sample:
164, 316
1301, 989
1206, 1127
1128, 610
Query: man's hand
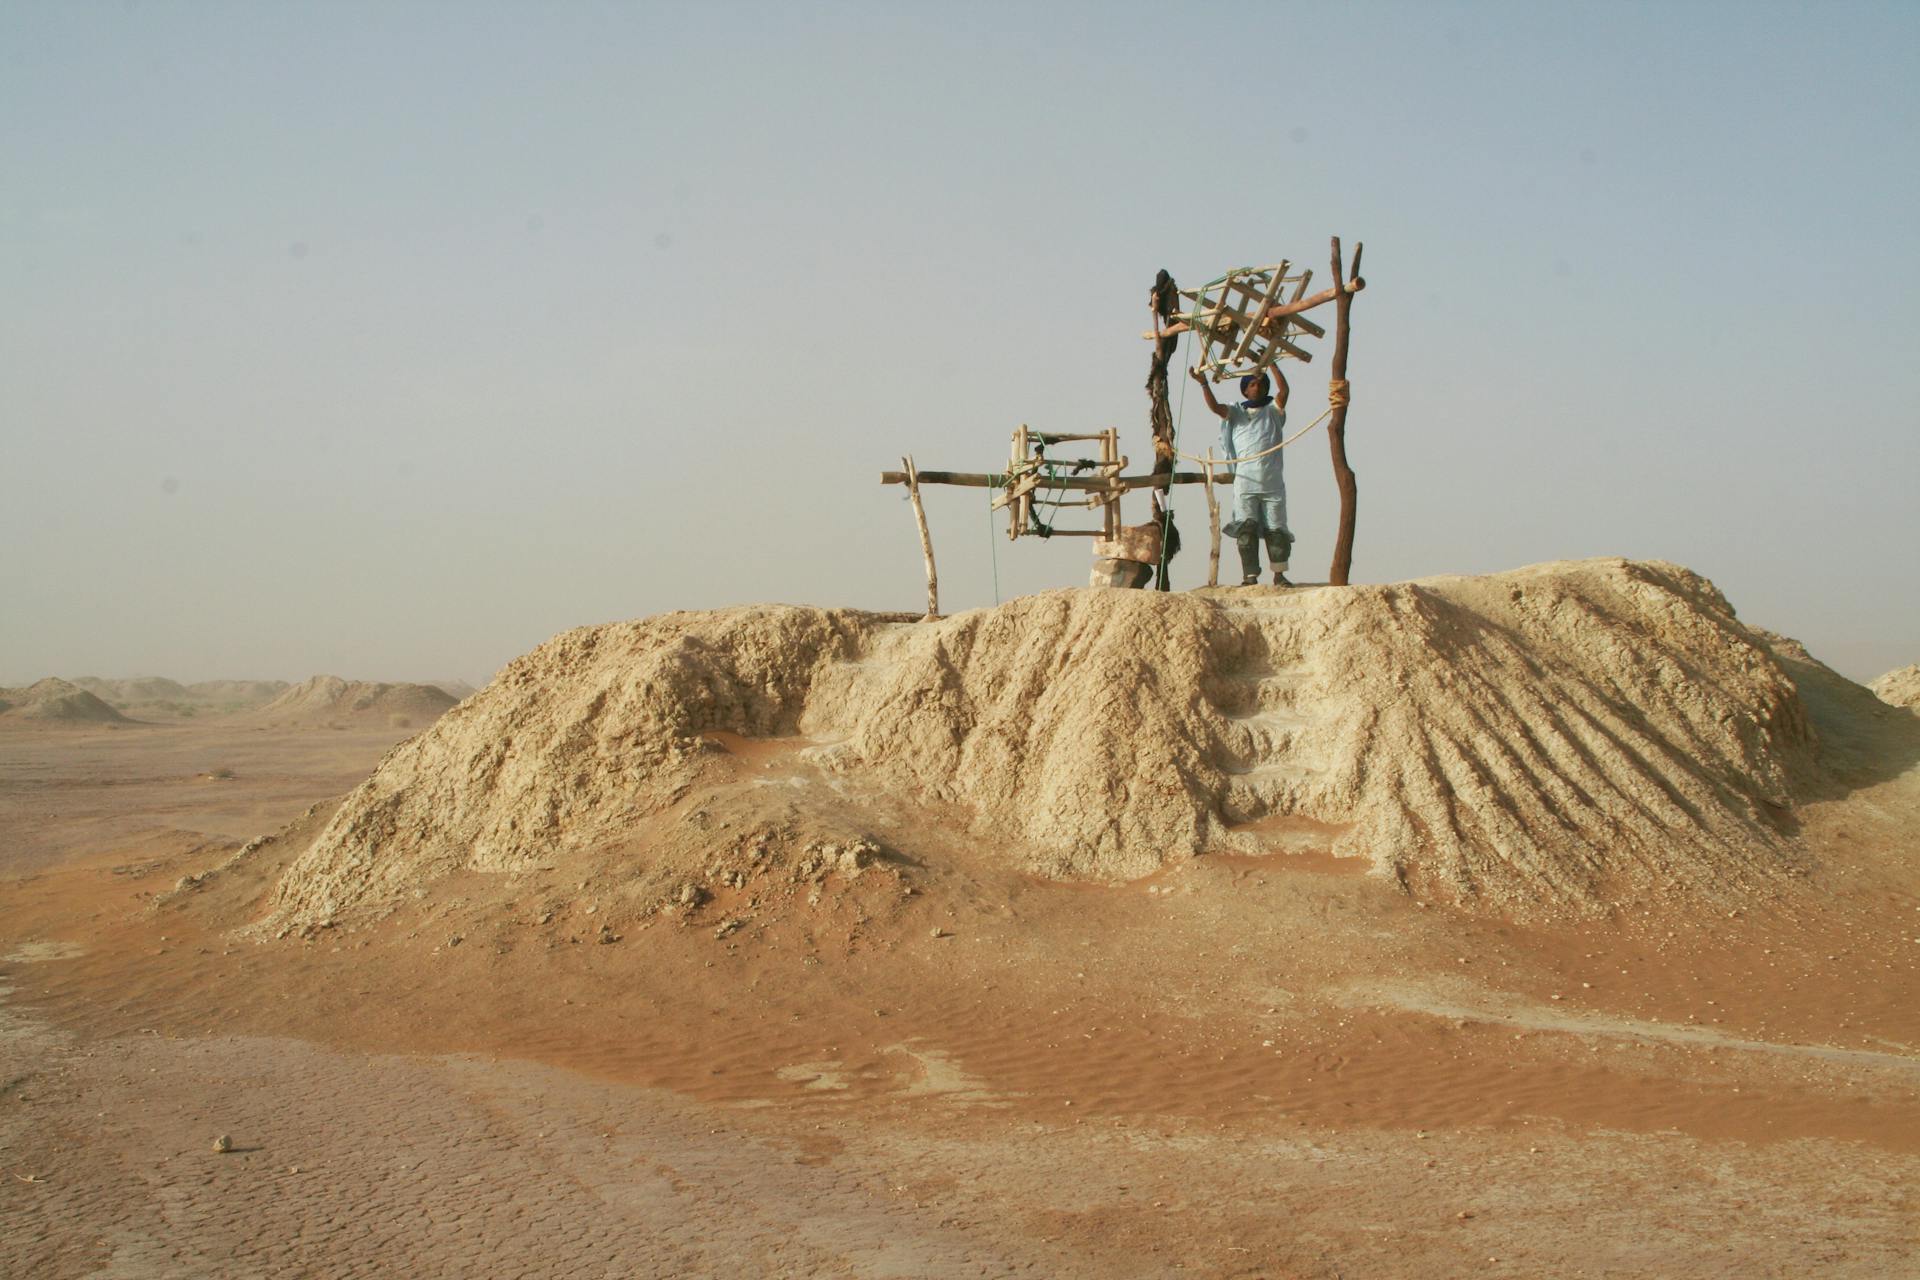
1206, 389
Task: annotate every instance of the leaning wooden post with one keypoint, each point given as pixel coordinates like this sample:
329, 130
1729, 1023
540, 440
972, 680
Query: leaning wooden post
1338, 394
926, 538
1213, 523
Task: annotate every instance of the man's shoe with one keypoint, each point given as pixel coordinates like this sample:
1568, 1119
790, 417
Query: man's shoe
1280, 579
1251, 580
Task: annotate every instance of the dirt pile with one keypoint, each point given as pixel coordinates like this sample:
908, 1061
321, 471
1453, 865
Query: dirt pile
158, 697
54, 699
237, 693
1900, 688
327, 700
135, 689
1554, 739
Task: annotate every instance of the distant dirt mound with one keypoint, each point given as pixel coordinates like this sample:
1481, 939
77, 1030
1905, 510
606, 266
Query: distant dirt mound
156, 697
238, 693
135, 689
59, 700
331, 700
1899, 688
1551, 740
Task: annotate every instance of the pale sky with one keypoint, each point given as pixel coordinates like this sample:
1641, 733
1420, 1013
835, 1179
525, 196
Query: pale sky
389, 339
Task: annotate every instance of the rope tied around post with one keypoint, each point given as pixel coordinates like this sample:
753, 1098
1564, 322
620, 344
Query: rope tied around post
1339, 394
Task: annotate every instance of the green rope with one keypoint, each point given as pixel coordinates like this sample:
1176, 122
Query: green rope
1054, 486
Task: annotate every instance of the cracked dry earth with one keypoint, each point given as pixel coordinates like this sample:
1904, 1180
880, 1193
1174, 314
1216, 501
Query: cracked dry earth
1238, 1066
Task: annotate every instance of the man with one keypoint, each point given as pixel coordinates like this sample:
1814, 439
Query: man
1259, 487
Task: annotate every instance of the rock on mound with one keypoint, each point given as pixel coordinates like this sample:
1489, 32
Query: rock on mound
331, 700
56, 699
1900, 688
1546, 740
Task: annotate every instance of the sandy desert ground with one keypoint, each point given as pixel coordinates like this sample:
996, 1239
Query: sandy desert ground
934, 1060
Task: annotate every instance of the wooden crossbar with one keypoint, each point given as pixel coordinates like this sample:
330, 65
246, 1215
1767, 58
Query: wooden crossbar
996, 480
1253, 330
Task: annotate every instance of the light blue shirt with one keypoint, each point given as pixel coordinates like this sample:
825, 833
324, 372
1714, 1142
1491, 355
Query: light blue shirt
1247, 431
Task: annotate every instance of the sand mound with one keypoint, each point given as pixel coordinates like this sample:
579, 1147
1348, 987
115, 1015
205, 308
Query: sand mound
157, 696
237, 693
1552, 739
331, 700
56, 699
135, 689
1899, 688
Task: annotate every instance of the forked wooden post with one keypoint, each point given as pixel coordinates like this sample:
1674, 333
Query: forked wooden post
926, 538
1339, 392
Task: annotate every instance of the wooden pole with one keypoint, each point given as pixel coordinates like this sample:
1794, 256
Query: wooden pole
998, 480
1278, 311
1341, 292
1020, 507
1338, 391
1163, 300
926, 538
1213, 523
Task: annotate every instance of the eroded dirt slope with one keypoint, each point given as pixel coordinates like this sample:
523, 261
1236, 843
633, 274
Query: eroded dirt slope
1551, 740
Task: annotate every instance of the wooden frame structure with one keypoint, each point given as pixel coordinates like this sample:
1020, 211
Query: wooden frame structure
1241, 327
1030, 472
1102, 490
1236, 324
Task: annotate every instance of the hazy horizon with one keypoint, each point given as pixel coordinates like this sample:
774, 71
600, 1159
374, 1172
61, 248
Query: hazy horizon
386, 341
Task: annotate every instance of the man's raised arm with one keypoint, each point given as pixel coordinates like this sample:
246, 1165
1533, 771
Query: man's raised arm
1207, 390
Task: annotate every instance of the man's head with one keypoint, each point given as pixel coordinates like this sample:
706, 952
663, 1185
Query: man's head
1254, 386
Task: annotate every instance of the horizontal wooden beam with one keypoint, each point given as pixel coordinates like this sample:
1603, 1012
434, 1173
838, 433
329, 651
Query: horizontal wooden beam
1308, 325
1205, 326
1298, 353
995, 480
1319, 299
